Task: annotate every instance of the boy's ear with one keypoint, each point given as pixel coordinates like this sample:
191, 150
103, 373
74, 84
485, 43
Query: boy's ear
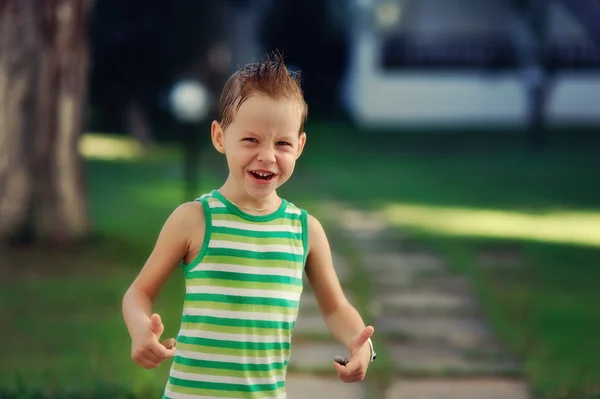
301, 143
216, 134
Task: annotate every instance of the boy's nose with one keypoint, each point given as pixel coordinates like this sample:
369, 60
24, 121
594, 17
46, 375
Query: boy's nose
266, 155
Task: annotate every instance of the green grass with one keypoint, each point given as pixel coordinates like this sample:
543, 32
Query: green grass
546, 308
480, 170
63, 310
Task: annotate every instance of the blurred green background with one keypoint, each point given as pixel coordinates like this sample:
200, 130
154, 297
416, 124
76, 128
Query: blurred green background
529, 192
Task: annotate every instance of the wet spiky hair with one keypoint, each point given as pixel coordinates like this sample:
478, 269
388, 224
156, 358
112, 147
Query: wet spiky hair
270, 77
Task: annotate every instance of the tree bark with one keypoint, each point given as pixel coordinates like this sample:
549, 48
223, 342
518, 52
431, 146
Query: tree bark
43, 81
18, 71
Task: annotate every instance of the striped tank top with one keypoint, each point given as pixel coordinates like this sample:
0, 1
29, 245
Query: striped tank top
241, 302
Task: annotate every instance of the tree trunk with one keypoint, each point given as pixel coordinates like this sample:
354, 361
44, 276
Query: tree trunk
18, 71
43, 80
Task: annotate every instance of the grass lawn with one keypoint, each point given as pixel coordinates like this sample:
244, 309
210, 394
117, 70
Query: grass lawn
64, 314
64, 309
470, 199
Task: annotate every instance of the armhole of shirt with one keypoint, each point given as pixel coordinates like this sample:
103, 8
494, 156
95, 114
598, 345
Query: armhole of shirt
304, 219
207, 234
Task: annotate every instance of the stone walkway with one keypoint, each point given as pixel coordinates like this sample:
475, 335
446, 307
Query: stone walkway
438, 343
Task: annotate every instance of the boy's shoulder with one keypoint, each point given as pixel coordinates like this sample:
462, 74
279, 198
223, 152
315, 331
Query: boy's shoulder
188, 214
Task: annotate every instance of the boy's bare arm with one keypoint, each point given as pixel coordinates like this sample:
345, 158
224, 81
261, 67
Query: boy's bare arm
342, 319
171, 247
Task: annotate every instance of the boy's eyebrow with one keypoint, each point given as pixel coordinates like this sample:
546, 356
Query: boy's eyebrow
289, 135
251, 133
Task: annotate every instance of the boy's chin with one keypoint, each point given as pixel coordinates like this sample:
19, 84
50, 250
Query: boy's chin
260, 191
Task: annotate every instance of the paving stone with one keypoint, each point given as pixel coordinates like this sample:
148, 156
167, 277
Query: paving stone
436, 359
425, 302
417, 298
359, 222
315, 355
310, 323
369, 239
313, 387
461, 389
368, 242
449, 284
398, 262
461, 331
391, 280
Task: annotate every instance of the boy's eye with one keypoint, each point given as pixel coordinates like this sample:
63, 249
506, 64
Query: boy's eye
283, 143
250, 139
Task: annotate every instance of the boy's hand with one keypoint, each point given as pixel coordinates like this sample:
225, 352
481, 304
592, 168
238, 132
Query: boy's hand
360, 358
146, 350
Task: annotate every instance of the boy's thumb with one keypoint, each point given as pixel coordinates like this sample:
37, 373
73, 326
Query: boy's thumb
156, 324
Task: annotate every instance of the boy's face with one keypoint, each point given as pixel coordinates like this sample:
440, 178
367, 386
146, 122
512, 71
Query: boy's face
262, 143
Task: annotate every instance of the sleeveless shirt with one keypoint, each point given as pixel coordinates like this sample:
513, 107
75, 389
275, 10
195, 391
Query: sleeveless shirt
241, 302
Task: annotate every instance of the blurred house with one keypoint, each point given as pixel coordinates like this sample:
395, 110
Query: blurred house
243, 18
472, 62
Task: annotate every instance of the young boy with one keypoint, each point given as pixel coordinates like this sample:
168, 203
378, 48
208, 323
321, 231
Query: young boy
244, 250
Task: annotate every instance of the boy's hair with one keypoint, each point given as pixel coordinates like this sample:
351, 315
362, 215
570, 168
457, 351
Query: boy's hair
270, 77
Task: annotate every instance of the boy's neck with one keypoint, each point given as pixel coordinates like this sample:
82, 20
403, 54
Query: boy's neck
242, 200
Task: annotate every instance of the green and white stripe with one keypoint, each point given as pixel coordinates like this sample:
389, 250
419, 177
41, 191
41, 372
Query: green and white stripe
241, 304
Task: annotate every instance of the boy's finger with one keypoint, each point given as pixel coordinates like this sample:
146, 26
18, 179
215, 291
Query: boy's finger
147, 356
148, 361
360, 339
156, 324
149, 364
355, 379
357, 374
171, 352
352, 366
341, 370
151, 357
160, 351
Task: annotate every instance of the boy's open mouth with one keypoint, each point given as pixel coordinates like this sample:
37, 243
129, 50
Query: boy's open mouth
262, 175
